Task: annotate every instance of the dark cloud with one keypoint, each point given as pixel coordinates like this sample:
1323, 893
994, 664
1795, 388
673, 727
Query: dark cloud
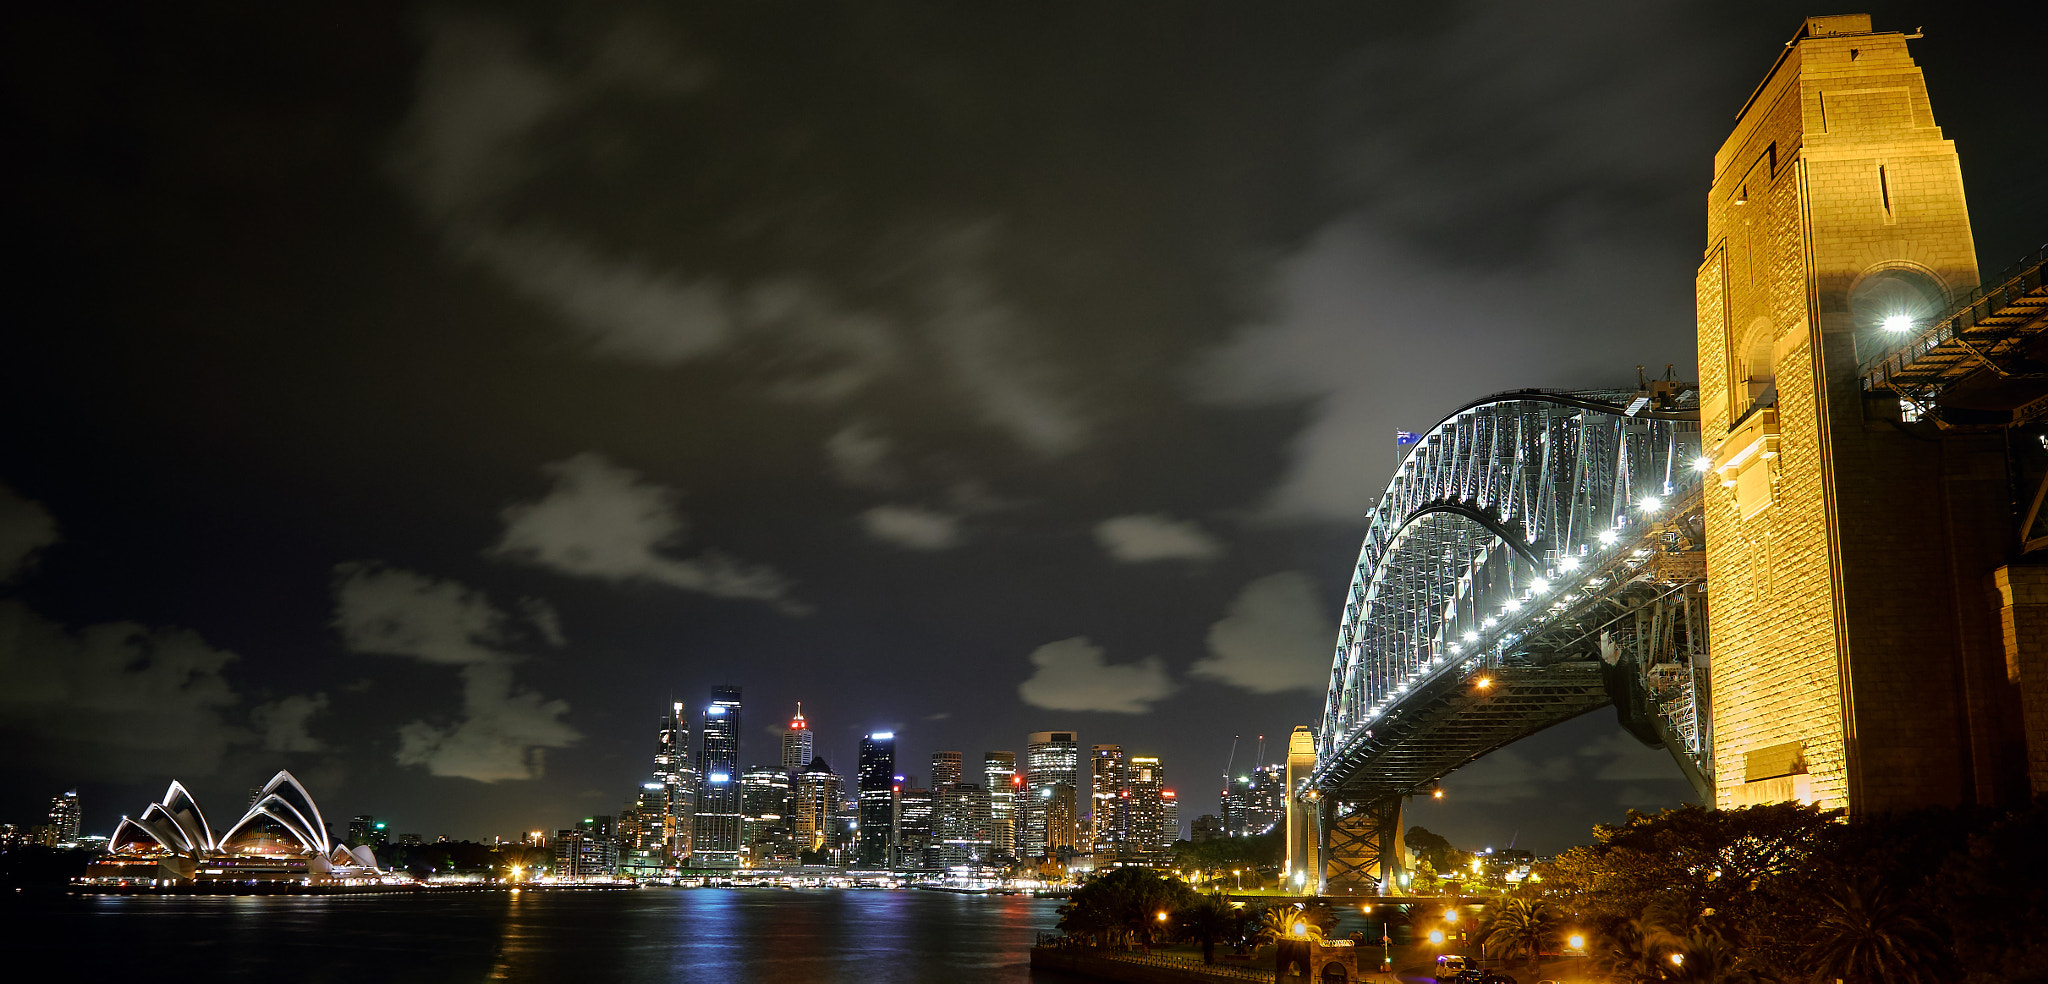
25, 528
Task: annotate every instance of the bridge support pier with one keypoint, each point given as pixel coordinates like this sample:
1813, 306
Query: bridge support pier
1362, 846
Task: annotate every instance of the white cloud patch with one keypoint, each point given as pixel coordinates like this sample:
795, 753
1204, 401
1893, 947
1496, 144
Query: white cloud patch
605, 522
25, 529
859, 455
912, 528
1275, 638
1148, 537
1074, 675
504, 730
116, 701
281, 725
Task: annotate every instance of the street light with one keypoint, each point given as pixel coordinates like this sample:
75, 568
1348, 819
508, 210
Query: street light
1436, 937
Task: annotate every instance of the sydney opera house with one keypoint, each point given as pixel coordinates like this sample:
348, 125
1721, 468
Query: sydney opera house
280, 839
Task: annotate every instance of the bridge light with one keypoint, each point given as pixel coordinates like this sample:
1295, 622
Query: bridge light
1471, 637
1568, 564
1485, 682
1607, 538
1540, 586
1490, 622
1513, 604
1703, 464
1650, 503
1898, 323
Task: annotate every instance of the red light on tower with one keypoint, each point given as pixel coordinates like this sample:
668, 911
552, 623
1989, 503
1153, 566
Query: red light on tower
1166, 794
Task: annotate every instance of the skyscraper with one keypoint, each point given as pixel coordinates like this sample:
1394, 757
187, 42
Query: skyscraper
1052, 759
1148, 816
1000, 771
1109, 818
817, 800
964, 828
64, 819
796, 743
764, 804
1169, 819
717, 842
643, 833
678, 779
877, 818
916, 809
945, 769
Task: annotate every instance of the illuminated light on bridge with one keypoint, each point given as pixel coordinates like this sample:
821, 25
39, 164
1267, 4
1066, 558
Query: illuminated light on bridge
1899, 323
1479, 613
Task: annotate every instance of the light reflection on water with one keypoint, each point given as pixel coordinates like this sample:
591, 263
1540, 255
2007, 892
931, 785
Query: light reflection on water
745, 936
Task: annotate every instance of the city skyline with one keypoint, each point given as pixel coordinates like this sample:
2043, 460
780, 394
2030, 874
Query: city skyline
426, 396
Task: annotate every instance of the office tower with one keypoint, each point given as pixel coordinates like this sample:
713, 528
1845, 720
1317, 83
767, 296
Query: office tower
588, 850
1052, 758
764, 808
817, 802
1062, 820
364, 830
678, 780
717, 840
64, 819
945, 769
1148, 818
999, 769
1169, 819
796, 743
1109, 817
915, 809
876, 784
1208, 827
965, 833
643, 833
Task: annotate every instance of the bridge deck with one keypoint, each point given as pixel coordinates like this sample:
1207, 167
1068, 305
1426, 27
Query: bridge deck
1453, 720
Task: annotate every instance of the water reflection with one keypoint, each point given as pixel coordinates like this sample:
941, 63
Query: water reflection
743, 936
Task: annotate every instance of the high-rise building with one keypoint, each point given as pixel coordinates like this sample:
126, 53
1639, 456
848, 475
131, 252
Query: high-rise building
945, 769
916, 809
965, 830
1208, 827
796, 743
1169, 819
817, 803
678, 779
876, 784
64, 819
999, 769
717, 840
1148, 816
643, 833
1062, 820
364, 830
1052, 758
588, 850
765, 799
1109, 816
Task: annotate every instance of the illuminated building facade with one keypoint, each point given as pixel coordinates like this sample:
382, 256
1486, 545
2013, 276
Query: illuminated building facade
64, 819
796, 743
643, 833
1169, 818
818, 791
876, 788
766, 800
588, 850
916, 823
964, 835
716, 843
1148, 817
281, 837
945, 769
1855, 652
678, 778
1051, 759
999, 772
1108, 801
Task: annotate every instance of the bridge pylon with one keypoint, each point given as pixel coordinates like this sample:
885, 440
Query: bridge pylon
1363, 846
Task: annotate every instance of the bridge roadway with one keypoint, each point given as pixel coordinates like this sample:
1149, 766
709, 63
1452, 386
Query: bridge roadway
1539, 556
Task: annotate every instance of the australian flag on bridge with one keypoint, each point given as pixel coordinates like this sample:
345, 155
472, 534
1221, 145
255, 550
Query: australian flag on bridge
1405, 438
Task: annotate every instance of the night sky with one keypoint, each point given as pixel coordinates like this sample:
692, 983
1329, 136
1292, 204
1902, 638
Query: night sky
419, 396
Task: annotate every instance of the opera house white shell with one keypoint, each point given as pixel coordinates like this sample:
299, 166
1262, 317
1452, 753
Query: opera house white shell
281, 837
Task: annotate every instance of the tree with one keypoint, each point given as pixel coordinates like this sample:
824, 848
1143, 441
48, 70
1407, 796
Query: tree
1519, 924
1703, 956
1432, 848
1867, 934
1631, 955
1126, 902
1207, 920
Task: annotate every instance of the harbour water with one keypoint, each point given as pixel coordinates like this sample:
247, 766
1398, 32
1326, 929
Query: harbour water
747, 936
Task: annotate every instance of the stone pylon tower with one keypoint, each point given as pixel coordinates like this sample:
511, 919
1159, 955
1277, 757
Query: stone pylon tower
1854, 650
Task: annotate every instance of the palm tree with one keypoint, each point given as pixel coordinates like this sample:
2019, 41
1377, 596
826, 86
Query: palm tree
1207, 920
1631, 956
1703, 956
1867, 934
1520, 924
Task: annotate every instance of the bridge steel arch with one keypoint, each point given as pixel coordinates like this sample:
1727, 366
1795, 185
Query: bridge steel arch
1538, 555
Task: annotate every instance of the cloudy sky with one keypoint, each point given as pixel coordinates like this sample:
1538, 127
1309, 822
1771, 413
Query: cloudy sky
418, 396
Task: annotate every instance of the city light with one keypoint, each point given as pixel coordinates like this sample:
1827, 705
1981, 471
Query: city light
1540, 586
1898, 323
1678, 960
1450, 915
1650, 503
1568, 564
1301, 929
1577, 942
1485, 682
1436, 937
1607, 538
1702, 464
1470, 637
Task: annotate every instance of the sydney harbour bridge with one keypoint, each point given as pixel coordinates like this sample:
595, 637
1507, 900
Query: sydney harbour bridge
1537, 556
